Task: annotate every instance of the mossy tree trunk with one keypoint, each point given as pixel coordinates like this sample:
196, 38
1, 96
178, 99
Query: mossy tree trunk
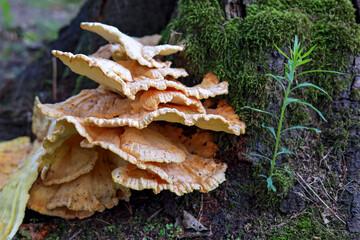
235, 40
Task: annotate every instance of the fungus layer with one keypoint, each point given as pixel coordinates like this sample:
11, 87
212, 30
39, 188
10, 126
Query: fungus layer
157, 157
120, 79
134, 49
74, 181
107, 109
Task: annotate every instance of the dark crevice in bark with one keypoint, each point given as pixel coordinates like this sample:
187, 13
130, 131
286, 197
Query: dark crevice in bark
102, 10
234, 8
356, 4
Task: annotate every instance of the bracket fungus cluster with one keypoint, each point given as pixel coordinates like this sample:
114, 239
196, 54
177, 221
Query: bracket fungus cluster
105, 141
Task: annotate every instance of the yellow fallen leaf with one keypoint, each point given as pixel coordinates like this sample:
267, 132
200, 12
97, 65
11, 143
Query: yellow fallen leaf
14, 195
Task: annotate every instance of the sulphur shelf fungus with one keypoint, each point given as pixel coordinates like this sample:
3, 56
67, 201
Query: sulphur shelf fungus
94, 147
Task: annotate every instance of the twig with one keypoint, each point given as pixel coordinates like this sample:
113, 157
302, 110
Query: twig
201, 206
326, 155
303, 195
309, 187
129, 208
73, 236
100, 220
54, 79
154, 214
326, 192
98, 235
312, 200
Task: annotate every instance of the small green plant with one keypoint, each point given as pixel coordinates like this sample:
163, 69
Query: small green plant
295, 60
111, 228
6, 13
25, 234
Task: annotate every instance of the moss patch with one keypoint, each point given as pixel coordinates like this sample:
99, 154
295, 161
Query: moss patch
239, 50
306, 226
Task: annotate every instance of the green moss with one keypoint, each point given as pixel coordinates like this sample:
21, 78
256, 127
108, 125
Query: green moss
238, 50
306, 226
266, 199
338, 131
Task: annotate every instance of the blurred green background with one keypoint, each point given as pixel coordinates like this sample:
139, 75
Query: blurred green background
25, 27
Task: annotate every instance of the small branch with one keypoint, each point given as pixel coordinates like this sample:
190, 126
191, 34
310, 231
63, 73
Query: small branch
154, 214
309, 187
201, 206
54, 79
100, 220
74, 236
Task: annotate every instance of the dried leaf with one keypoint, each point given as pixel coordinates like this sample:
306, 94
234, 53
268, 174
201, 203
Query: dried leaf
14, 195
11, 154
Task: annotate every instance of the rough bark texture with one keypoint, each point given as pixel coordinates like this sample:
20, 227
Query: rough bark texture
351, 196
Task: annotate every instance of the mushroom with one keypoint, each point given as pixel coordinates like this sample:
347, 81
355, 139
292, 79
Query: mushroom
119, 117
157, 157
101, 143
74, 181
116, 77
133, 48
104, 108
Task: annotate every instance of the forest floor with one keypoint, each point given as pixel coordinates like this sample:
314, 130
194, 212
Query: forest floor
241, 208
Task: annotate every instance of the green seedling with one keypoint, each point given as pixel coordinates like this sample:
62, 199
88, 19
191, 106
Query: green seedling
295, 60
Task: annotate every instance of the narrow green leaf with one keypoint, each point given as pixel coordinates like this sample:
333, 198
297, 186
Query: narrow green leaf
319, 70
277, 79
271, 129
291, 100
308, 52
285, 151
262, 175
316, 110
301, 50
270, 184
290, 76
296, 43
288, 171
258, 155
303, 62
282, 52
301, 127
311, 85
258, 110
